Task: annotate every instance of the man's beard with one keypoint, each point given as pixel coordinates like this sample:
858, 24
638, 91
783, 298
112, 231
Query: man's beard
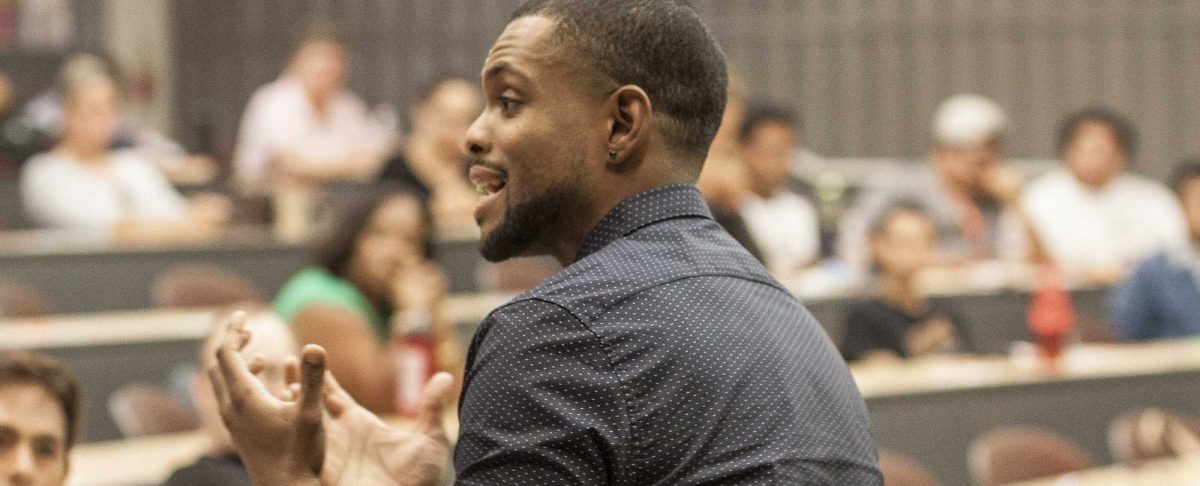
531, 225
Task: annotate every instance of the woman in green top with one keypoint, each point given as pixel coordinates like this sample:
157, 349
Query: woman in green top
373, 277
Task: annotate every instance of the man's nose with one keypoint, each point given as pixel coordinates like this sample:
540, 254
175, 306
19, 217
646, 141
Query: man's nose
23, 464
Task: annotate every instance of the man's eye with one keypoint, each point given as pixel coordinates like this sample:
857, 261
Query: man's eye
8, 439
508, 104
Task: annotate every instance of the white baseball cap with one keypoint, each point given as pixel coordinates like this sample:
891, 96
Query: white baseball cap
968, 119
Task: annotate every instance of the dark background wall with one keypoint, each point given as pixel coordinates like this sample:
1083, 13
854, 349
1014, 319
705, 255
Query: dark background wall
866, 75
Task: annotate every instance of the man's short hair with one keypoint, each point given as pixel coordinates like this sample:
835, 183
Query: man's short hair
763, 113
24, 368
1122, 130
1185, 172
658, 45
320, 29
878, 225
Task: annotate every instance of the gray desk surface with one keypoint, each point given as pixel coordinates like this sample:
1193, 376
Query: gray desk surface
109, 350
87, 274
933, 410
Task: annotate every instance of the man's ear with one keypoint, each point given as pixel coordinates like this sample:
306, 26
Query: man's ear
629, 122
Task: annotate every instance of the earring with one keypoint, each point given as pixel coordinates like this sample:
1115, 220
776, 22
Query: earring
612, 155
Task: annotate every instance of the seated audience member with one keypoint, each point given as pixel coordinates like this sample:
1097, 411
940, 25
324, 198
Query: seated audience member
306, 127
1094, 218
44, 114
1161, 299
374, 279
83, 183
433, 159
723, 178
39, 407
783, 224
965, 188
900, 322
272, 352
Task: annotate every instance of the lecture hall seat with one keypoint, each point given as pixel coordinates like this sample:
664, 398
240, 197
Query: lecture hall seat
189, 286
1012, 454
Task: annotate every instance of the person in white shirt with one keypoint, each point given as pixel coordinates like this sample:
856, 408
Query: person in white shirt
84, 184
1095, 218
783, 225
306, 127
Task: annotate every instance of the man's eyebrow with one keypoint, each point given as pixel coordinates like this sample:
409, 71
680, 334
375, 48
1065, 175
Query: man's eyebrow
501, 68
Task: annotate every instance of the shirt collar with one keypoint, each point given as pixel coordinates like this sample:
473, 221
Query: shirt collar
643, 209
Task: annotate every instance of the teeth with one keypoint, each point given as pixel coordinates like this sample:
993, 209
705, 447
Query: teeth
481, 189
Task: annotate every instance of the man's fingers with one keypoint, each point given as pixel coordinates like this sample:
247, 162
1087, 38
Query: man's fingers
310, 439
235, 374
291, 370
337, 401
220, 389
257, 364
433, 400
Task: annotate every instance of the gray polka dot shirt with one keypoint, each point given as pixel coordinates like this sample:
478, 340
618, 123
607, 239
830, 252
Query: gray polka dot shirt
664, 355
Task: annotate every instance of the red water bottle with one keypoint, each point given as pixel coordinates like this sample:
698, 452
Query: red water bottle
416, 361
1051, 314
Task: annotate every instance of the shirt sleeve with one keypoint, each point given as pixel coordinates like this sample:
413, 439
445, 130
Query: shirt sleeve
150, 195
253, 152
1133, 307
541, 402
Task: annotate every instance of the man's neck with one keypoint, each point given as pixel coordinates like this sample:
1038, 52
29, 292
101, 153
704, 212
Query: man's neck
85, 155
901, 292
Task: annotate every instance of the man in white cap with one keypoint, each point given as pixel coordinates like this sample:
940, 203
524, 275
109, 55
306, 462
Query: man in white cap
965, 187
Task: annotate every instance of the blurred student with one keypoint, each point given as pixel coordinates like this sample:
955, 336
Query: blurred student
272, 353
900, 322
433, 159
306, 127
966, 189
39, 409
1096, 219
83, 183
374, 279
45, 115
783, 224
723, 179
1161, 299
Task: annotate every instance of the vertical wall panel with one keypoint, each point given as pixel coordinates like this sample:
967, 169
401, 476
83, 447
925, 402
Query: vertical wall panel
865, 75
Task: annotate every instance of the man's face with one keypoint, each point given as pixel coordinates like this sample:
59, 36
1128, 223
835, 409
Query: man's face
907, 245
32, 436
966, 167
448, 113
768, 154
91, 117
1093, 155
540, 127
321, 68
1189, 196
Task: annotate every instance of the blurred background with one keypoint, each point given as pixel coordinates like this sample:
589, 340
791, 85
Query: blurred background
992, 207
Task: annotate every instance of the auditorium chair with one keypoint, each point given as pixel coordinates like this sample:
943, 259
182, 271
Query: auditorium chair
1150, 433
21, 301
900, 470
140, 409
187, 286
1012, 454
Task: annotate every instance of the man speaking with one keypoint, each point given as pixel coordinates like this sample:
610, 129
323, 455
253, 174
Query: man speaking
662, 354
